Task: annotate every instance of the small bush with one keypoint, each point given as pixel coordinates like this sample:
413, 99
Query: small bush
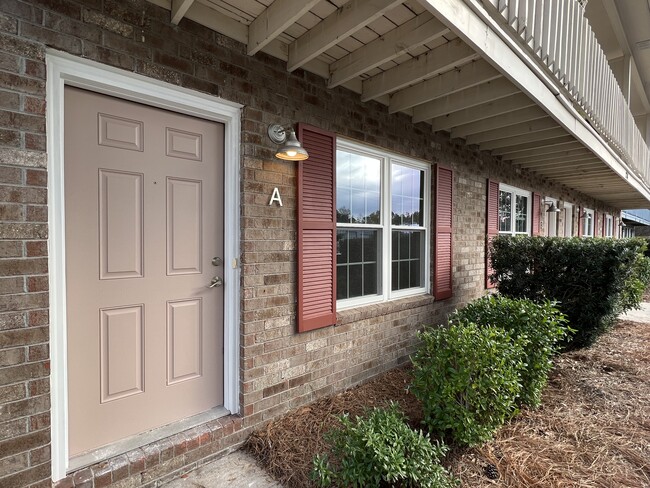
539, 327
379, 449
592, 280
468, 380
636, 284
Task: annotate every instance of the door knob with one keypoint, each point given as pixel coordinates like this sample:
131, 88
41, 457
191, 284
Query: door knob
216, 281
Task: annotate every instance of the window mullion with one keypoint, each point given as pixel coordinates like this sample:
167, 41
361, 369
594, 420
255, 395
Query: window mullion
386, 265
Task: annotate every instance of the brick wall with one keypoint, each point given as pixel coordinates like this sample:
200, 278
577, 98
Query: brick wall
280, 369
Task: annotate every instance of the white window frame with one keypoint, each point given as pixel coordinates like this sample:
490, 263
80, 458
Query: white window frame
568, 219
609, 226
529, 209
387, 159
587, 213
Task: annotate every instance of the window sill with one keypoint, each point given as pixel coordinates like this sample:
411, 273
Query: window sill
378, 309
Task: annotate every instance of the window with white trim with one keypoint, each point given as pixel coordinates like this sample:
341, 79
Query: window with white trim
382, 203
514, 210
587, 223
568, 220
609, 226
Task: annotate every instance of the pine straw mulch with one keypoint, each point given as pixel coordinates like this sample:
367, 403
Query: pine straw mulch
592, 430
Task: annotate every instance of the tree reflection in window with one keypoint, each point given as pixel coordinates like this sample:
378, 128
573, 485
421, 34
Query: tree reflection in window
358, 189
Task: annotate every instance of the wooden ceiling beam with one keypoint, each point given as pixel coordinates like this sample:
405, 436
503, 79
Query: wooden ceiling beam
520, 116
524, 138
275, 19
471, 97
467, 76
483, 111
515, 129
436, 61
341, 24
179, 8
414, 33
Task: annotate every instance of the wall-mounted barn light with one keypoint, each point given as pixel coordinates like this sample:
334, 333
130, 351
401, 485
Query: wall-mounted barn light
552, 208
291, 149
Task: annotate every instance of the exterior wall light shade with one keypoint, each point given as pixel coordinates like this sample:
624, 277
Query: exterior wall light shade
552, 208
291, 149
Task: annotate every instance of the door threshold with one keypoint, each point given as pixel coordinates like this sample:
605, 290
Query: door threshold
125, 445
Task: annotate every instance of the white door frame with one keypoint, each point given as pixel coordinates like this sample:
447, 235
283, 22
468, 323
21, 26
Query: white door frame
64, 69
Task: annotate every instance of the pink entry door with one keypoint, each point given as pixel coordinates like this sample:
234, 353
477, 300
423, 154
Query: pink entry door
144, 224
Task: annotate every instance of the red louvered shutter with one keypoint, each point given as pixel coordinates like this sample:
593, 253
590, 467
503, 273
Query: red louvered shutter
316, 230
537, 203
580, 219
492, 225
443, 252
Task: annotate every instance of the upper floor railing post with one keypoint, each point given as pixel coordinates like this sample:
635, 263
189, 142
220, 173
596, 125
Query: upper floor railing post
560, 37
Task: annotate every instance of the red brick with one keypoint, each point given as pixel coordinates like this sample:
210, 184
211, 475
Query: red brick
21, 47
21, 84
37, 283
21, 121
36, 248
108, 56
12, 320
35, 69
36, 318
51, 38
12, 285
20, 267
39, 421
35, 142
36, 213
34, 105
23, 337
28, 476
24, 443
11, 175
36, 177
38, 352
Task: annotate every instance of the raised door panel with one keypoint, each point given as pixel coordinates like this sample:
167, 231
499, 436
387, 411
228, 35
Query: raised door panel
120, 224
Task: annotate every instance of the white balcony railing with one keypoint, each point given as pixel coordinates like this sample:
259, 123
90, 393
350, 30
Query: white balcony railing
559, 35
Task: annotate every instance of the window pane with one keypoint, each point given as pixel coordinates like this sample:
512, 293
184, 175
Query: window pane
355, 282
357, 269
521, 217
505, 211
407, 191
343, 205
407, 260
358, 182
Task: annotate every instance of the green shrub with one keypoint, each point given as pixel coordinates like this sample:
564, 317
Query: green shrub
378, 449
540, 328
468, 380
636, 284
592, 280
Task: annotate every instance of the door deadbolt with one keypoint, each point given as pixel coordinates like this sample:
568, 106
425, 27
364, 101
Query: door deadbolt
216, 261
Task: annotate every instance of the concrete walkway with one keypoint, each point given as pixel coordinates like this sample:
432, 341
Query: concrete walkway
641, 315
240, 470
236, 470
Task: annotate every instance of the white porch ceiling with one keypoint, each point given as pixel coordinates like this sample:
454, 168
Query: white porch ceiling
397, 53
